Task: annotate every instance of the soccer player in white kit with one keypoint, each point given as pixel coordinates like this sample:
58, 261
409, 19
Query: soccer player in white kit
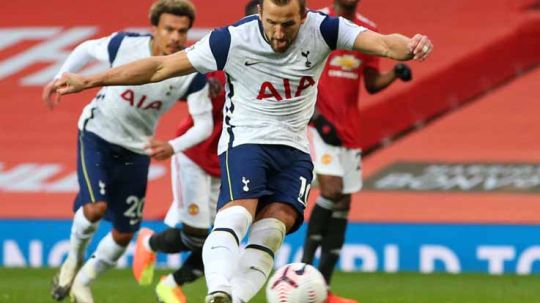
195, 179
114, 146
273, 62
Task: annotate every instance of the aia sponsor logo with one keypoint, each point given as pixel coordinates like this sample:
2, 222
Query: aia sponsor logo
268, 90
140, 102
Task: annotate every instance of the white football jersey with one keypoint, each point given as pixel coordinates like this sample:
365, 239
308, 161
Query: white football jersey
270, 96
128, 115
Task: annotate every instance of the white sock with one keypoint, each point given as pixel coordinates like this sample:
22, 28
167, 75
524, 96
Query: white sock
105, 257
325, 203
256, 262
221, 248
82, 231
169, 281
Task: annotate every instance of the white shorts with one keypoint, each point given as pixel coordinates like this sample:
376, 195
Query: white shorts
336, 161
195, 194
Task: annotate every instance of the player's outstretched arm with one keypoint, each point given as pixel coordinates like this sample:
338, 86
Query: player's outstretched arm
148, 70
84, 53
394, 46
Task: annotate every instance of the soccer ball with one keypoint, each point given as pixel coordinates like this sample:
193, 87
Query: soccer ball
296, 283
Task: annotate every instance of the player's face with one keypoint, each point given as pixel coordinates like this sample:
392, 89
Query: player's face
170, 34
281, 23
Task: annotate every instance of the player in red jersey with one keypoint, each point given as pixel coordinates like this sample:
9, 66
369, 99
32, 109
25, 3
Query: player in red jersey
335, 146
195, 182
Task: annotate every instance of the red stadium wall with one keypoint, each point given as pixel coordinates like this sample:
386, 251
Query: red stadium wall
478, 72
479, 44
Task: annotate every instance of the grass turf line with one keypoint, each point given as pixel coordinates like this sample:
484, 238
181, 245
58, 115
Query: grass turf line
32, 285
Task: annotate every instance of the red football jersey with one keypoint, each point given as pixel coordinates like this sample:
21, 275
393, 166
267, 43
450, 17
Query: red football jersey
205, 153
339, 86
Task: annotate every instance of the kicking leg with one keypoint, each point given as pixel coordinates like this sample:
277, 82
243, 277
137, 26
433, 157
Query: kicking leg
265, 238
221, 248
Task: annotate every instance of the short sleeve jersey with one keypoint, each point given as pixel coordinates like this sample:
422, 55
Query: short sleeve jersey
128, 115
339, 87
270, 96
204, 154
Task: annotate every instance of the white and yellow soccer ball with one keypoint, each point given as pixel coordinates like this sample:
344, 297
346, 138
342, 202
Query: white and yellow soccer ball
296, 283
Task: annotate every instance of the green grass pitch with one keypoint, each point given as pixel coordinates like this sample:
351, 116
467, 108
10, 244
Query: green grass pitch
118, 286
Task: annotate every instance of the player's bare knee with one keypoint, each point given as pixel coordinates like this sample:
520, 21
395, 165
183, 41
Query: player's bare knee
344, 203
331, 187
332, 191
121, 238
280, 211
95, 211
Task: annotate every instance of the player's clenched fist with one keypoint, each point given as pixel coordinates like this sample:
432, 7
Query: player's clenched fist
49, 95
420, 46
69, 83
159, 150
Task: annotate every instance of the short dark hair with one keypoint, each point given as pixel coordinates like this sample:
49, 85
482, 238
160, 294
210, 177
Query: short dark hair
285, 2
251, 7
175, 7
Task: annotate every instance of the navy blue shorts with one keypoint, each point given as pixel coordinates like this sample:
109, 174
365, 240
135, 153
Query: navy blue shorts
270, 173
111, 173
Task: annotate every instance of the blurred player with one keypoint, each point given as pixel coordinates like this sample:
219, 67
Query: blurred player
273, 63
195, 179
335, 146
251, 8
113, 147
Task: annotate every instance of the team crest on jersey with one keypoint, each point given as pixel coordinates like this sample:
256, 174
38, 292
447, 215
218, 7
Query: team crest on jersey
193, 209
346, 62
306, 55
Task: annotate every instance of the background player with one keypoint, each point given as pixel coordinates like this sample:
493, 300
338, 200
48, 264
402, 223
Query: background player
113, 150
266, 170
195, 183
251, 8
335, 146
